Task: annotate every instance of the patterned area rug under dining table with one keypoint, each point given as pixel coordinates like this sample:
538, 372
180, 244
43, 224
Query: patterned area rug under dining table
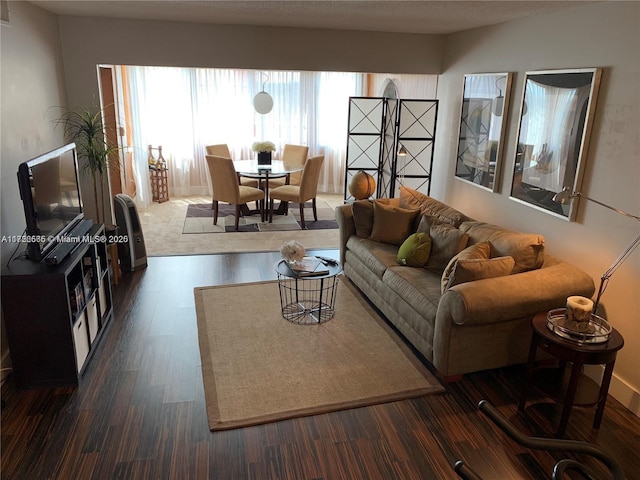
199, 219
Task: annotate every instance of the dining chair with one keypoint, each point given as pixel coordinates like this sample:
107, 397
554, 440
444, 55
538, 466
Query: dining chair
222, 150
296, 154
224, 180
307, 190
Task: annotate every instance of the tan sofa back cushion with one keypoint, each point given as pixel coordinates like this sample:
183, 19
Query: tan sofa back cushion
446, 241
412, 200
527, 249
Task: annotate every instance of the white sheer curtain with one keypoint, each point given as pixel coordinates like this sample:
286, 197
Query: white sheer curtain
185, 109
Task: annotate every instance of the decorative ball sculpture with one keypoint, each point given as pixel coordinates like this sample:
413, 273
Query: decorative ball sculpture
362, 185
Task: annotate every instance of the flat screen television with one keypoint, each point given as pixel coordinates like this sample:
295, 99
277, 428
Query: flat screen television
50, 192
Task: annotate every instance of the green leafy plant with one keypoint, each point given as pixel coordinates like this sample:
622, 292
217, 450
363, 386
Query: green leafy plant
86, 129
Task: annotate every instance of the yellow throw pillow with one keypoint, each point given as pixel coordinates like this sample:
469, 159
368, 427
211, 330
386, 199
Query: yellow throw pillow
391, 224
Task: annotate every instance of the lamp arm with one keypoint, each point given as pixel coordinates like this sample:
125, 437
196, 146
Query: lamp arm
621, 212
604, 279
562, 197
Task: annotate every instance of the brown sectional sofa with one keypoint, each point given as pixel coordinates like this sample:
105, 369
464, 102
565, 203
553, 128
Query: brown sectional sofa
458, 327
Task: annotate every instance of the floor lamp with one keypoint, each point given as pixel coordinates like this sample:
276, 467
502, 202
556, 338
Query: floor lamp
563, 197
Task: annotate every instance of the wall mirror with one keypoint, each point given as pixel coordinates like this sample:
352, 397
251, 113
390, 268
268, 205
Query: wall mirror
555, 123
485, 98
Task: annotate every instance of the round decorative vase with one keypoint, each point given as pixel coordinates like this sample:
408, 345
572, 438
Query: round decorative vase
264, 158
362, 185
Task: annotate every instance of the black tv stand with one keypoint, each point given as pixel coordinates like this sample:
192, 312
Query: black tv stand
55, 315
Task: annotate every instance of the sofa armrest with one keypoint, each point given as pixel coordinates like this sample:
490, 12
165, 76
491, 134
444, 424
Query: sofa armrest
347, 227
514, 296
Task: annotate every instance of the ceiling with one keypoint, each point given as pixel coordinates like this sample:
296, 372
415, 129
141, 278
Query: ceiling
417, 16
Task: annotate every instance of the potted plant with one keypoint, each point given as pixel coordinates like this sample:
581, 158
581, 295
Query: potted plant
264, 150
86, 129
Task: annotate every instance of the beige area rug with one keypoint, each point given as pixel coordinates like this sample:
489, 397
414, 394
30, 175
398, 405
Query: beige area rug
257, 367
163, 223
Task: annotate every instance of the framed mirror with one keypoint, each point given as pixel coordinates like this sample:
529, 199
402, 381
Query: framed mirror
556, 116
485, 98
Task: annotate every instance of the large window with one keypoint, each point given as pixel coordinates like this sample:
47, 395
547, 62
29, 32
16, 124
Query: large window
185, 109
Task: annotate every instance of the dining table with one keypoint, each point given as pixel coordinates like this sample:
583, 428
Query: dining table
264, 173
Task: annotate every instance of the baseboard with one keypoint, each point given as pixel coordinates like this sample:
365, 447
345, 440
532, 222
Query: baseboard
624, 393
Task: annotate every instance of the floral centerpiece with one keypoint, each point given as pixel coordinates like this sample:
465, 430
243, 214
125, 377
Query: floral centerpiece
264, 150
292, 251
263, 147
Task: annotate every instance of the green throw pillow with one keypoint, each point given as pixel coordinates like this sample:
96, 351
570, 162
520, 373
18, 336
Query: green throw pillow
415, 250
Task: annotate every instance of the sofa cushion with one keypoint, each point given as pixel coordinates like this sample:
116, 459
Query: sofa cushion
412, 199
362, 211
417, 287
446, 241
415, 250
376, 256
363, 217
469, 270
391, 224
527, 249
480, 250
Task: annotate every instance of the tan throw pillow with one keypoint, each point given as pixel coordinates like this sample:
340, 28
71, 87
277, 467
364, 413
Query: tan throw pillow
479, 269
477, 251
446, 242
391, 224
527, 249
363, 217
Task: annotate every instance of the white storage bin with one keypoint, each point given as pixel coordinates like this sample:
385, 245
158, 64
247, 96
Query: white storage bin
81, 341
92, 318
102, 300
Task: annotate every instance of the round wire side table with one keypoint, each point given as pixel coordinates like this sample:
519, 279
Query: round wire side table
307, 300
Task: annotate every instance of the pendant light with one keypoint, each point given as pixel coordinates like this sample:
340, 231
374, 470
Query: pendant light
262, 102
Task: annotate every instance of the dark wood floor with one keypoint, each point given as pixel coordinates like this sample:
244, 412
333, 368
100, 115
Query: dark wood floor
139, 412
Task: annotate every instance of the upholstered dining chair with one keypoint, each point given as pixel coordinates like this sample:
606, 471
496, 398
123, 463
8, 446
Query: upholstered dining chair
222, 150
295, 154
224, 180
307, 190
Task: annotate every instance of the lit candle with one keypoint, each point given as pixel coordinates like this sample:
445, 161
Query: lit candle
579, 308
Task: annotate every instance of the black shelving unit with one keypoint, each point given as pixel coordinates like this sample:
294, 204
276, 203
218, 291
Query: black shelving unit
56, 315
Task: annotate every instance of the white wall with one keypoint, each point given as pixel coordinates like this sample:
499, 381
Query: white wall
132, 42
32, 82
603, 35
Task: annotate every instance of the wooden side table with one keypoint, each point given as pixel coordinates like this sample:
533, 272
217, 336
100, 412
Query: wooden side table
574, 388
